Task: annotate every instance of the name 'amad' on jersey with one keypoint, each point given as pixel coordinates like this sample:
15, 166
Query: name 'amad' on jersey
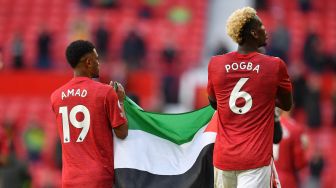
73, 93
249, 66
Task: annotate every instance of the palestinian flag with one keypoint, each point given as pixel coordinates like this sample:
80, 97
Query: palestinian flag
165, 150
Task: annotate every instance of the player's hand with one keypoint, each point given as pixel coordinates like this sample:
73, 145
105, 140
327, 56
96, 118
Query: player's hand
119, 89
277, 114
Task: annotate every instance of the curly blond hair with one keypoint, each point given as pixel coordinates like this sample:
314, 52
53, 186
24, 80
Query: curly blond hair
237, 20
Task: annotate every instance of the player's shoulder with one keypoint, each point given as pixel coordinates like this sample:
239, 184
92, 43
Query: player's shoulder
219, 60
271, 63
102, 86
265, 56
104, 89
270, 58
57, 92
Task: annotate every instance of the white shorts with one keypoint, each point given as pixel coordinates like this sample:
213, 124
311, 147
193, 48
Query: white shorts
264, 177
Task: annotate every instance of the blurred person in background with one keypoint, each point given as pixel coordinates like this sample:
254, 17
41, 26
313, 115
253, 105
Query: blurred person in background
34, 137
108, 3
17, 51
290, 154
44, 43
87, 113
316, 167
312, 101
145, 12
261, 4
170, 77
312, 53
179, 14
221, 48
58, 154
79, 29
102, 39
299, 85
245, 86
134, 50
13, 171
305, 5
280, 41
330, 62
85, 3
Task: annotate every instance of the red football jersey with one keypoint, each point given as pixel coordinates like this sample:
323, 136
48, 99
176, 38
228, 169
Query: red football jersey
86, 111
289, 155
245, 88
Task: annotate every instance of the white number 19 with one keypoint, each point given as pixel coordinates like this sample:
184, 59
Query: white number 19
235, 94
84, 124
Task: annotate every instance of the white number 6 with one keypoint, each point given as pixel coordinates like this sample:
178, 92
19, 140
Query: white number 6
85, 123
235, 94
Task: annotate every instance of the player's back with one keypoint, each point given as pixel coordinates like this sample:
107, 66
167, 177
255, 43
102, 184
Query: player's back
245, 88
85, 130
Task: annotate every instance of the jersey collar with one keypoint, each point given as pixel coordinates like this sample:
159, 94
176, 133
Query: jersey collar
246, 56
81, 78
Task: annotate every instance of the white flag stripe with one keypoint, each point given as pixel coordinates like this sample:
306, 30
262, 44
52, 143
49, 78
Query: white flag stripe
147, 152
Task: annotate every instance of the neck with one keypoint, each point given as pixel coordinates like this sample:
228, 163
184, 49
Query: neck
78, 73
247, 48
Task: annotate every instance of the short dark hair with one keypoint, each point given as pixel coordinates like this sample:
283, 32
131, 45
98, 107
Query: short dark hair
76, 50
245, 33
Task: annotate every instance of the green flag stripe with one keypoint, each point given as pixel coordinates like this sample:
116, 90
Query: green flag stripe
177, 128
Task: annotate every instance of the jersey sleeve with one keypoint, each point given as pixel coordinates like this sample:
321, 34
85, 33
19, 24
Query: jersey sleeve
52, 102
210, 88
284, 81
113, 109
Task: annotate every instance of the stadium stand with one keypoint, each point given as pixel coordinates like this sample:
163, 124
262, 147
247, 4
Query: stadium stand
24, 94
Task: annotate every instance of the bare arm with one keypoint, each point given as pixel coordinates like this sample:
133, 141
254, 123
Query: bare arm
213, 103
284, 100
277, 135
122, 130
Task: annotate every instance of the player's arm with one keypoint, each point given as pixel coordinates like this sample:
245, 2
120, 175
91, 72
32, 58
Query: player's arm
277, 135
210, 90
284, 99
213, 102
121, 131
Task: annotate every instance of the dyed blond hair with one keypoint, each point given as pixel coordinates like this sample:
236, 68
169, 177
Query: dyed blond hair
236, 22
